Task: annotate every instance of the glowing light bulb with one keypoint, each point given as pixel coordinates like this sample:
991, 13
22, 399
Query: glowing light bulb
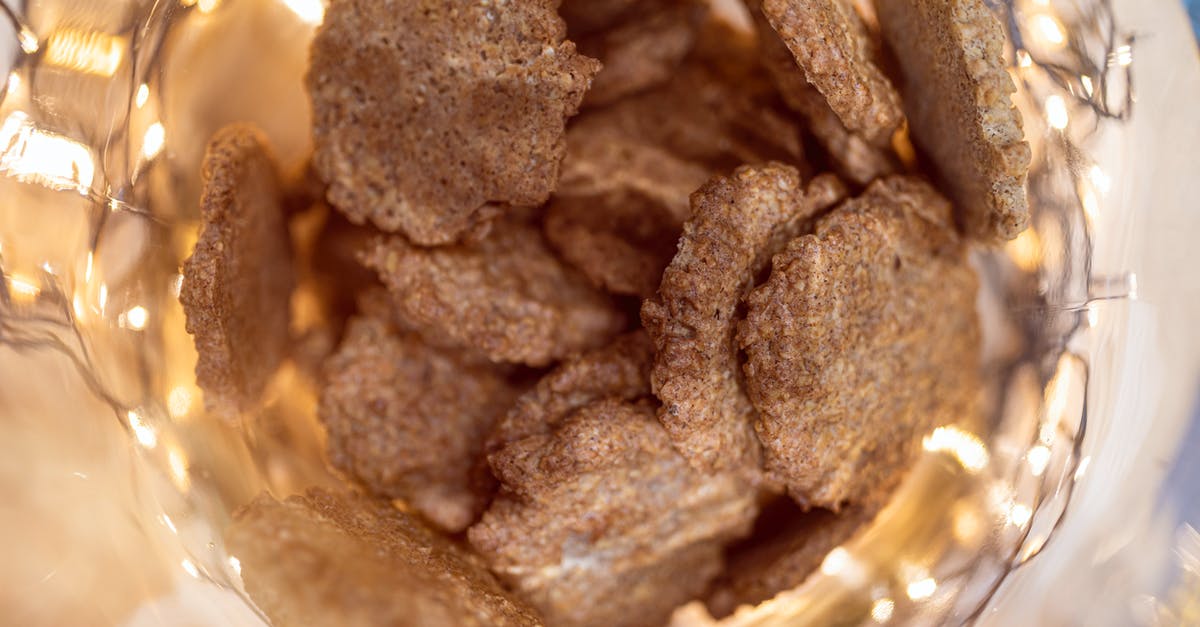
136, 318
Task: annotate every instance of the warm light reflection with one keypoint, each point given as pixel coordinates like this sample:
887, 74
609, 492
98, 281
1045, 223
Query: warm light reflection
1038, 458
836, 562
1081, 470
1019, 514
178, 465
965, 447
135, 318
142, 95
921, 589
1057, 395
143, 432
1123, 55
1093, 316
87, 268
190, 568
28, 40
32, 155
1056, 112
90, 52
153, 140
311, 11
1098, 178
22, 288
1087, 84
179, 401
881, 610
102, 297
967, 525
170, 525
236, 565
1026, 250
1091, 204
176, 285
14, 83
1023, 59
207, 6
1048, 29
77, 306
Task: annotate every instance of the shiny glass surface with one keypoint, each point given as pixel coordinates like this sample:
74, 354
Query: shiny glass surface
1064, 504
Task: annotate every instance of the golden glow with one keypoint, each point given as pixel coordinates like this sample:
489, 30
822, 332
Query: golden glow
1123, 56
14, 83
190, 568
28, 41
177, 285
207, 6
178, 465
881, 610
1098, 178
1026, 250
236, 565
142, 95
179, 401
136, 318
22, 288
311, 11
1057, 395
1081, 470
90, 52
921, 588
1087, 84
32, 155
1056, 112
836, 562
1023, 59
153, 140
967, 524
1049, 30
87, 269
965, 447
1038, 458
77, 305
1019, 514
1091, 204
143, 432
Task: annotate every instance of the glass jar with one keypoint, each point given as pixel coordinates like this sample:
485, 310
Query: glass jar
1072, 502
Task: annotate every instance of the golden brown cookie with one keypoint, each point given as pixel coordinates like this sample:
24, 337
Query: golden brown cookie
957, 94
619, 370
428, 112
408, 420
830, 43
851, 155
601, 522
340, 559
506, 295
643, 50
738, 222
239, 277
863, 339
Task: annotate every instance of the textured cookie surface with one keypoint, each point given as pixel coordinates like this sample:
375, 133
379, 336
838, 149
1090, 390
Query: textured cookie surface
339, 559
237, 282
428, 112
957, 93
737, 223
408, 420
506, 295
864, 338
601, 522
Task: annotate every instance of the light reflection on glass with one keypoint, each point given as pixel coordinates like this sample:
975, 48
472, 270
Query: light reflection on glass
311, 11
179, 401
22, 288
152, 142
135, 318
143, 432
965, 447
177, 463
1056, 112
143, 94
1026, 250
1123, 56
1048, 29
1087, 84
881, 610
31, 155
169, 523
28, 41
14, 83
235, 564
1019, 514
921, 589
967, 524
1100, 179
1038, 458
90, 52
190, 568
